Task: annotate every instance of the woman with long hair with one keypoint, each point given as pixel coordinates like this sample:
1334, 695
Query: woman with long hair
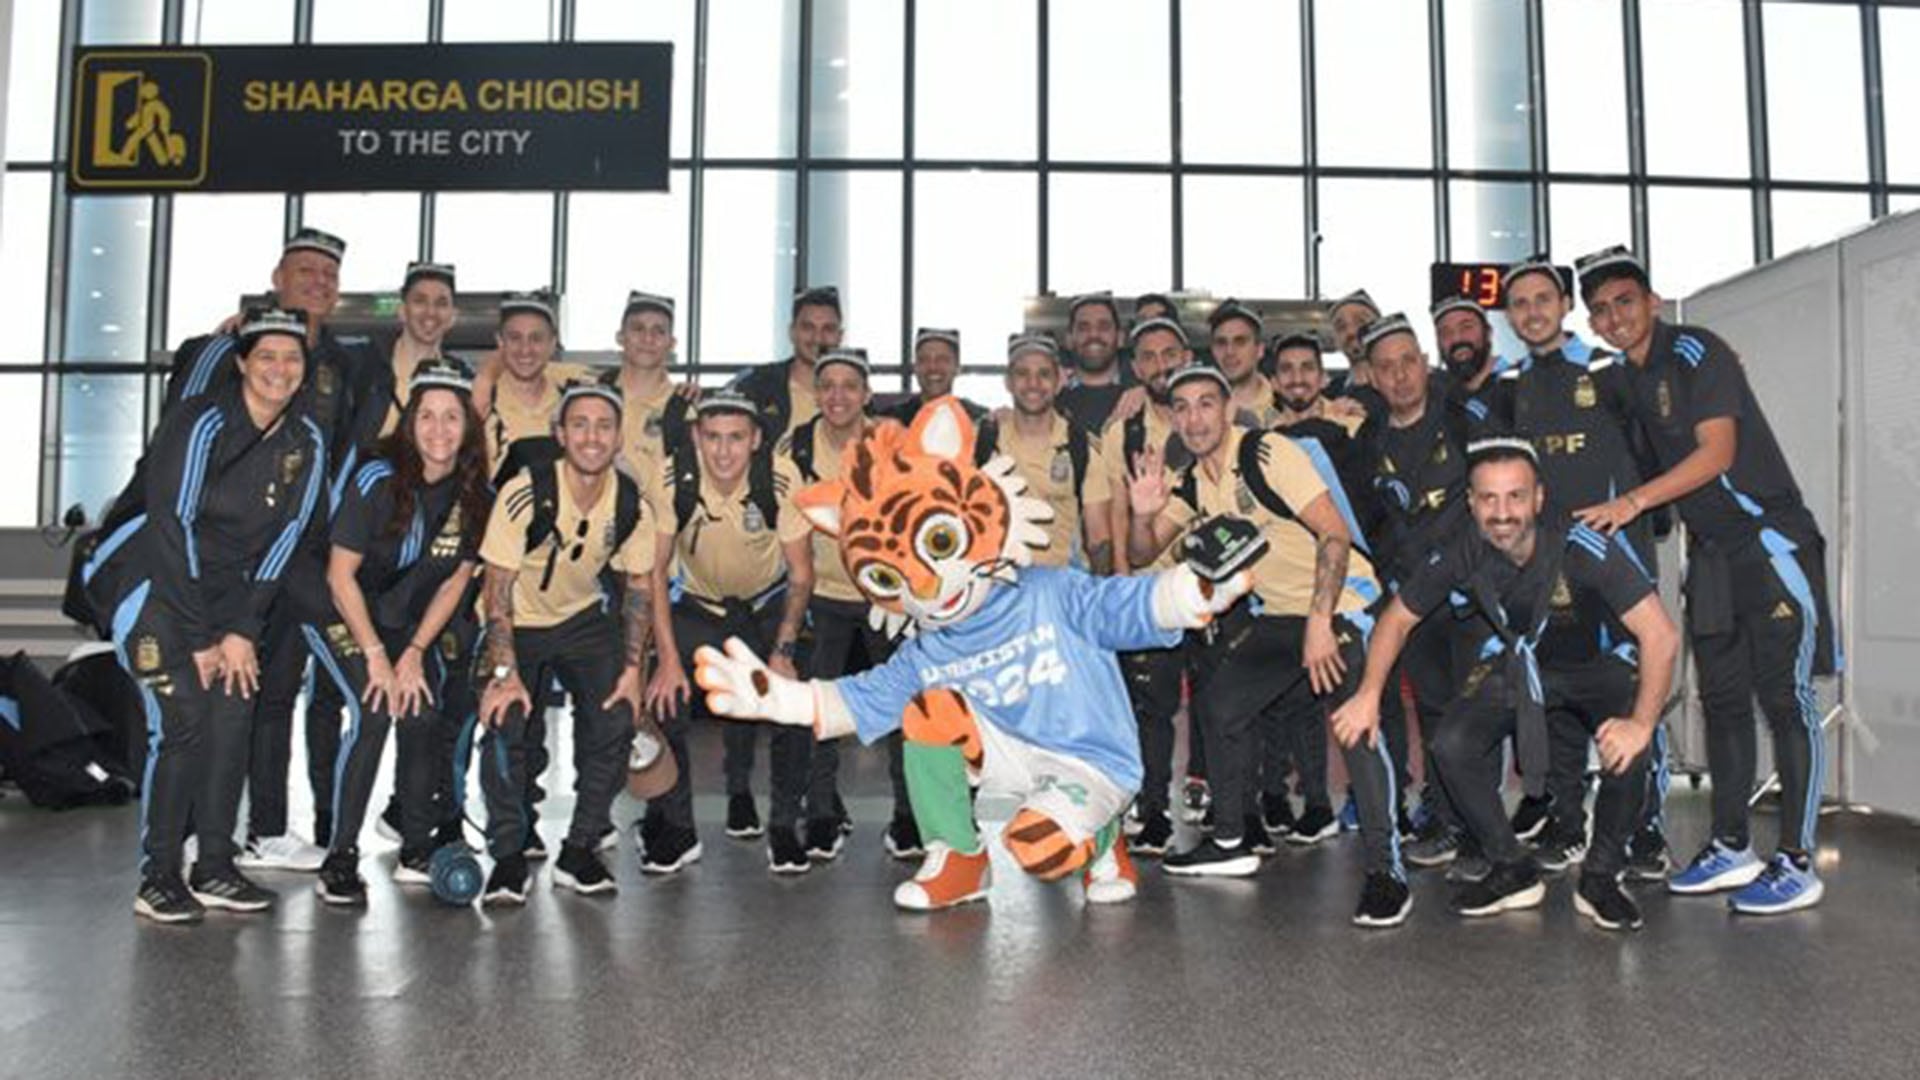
404, 542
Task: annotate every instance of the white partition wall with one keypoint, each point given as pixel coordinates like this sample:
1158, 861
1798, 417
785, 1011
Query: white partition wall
1830, 338
1783, 318
1880, 284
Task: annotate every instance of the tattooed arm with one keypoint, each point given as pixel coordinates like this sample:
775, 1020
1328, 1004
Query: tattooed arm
636, 615
499, 695
1332, 550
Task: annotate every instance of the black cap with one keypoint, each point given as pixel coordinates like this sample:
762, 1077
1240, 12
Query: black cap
1447, 304
1234, 309
606, 390
258, 322
1155, 298
1599, 267
1104, 298
316, 240
725, 402
1383, 328
1298, 339
853, 358
935, 333
441, 372
539, 302
1539, 263
817, 296
1018, 344
646, 301
427, 271
1357, 296
1143, 329
1200, 371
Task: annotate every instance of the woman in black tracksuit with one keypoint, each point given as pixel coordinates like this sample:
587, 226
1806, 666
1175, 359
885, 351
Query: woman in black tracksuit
404, 550
227, 486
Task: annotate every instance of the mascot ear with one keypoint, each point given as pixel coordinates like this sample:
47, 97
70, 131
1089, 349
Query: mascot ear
821, 504
942, 430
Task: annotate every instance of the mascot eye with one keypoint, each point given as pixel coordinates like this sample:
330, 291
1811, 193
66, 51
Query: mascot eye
941, 537
879, 579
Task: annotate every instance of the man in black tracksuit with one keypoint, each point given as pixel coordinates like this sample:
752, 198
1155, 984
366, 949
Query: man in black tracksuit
1757, 614
307, 279
1573, 403
783, 390
1420, 480
1535, 597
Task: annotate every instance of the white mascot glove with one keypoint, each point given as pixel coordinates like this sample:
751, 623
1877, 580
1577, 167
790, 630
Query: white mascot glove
1182, 600
739, 686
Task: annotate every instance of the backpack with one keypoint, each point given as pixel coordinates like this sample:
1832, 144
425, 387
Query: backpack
546, 511
93, 679
54, 747
1248, 462
686, 483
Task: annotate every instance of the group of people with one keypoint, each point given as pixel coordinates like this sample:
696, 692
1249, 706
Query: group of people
455, 548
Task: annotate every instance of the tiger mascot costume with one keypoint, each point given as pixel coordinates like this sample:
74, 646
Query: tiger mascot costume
1009, 685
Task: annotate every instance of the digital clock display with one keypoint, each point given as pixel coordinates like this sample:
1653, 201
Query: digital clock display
1477, 282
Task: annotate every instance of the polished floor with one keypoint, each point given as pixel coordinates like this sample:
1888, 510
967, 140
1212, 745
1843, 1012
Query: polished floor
727, 971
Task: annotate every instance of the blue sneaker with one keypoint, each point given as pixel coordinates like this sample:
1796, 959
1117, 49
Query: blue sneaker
1717, 867
1782, 887
1350, 815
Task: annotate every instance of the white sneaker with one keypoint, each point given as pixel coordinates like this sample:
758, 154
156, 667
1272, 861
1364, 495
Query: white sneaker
284, 852
1111, 879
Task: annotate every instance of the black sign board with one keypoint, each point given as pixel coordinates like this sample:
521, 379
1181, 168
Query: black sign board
1480, 282
587, 116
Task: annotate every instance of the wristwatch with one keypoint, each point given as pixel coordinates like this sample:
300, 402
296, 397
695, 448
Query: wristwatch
500, 672
785, 649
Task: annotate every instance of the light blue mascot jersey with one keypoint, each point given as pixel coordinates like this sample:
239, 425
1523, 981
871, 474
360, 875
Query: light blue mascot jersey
1037, 660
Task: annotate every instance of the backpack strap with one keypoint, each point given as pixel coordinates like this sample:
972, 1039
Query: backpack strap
1133, 438
801, 451
760, 487
626, 509
1077, 454
546, 504
686, 484
1256, 477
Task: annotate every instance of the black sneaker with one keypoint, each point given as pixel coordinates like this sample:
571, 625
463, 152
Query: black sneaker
1208, 859
1384, 901
227, 889
902, 839
1438, 849
1509, 886
581, 870
743, 821
449, 832
507, 884
1531, 816
1154, 838
166, 899
784, 853
1276, 814
1471, 864
387, 825
413, 867
824, 838
1315, 825
1647, 856
644, 830
1599, 897
669, 850
340, 883
1560, 849
1254, 834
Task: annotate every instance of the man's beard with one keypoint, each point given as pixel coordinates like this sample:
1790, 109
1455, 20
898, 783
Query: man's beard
1465, 360
1299, 406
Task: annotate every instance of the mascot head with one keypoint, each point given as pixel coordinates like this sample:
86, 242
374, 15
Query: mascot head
924, 532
